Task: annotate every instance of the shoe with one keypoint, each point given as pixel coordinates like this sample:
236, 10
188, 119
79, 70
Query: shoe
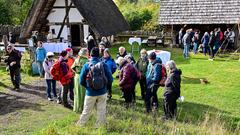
50, 99
210, 59
59, 101
68, 106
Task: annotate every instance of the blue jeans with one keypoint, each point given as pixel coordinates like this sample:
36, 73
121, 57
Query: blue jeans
195, 48
40, 68
51, 85
186, 50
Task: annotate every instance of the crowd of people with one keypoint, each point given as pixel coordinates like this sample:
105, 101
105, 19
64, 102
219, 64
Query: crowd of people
208, 43
87, 79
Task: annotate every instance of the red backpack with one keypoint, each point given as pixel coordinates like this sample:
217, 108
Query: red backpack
164, 76
55, 71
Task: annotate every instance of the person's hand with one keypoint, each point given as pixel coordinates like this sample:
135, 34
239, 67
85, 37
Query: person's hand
12, 63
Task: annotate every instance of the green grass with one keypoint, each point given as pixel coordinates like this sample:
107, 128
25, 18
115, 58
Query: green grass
208, 109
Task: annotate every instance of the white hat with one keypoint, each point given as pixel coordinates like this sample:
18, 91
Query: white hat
50, 54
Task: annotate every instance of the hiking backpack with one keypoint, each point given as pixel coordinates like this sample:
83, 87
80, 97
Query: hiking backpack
164, 76
55, 71
96, 78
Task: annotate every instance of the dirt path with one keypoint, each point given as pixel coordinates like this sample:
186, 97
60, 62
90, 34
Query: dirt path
20, 109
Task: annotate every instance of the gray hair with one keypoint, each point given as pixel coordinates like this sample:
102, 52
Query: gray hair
171, 64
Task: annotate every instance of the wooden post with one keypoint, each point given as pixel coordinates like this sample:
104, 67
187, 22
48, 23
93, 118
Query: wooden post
5, 41
64, 20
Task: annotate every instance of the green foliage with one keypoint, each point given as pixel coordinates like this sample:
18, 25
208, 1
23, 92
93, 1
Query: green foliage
140, 14
13, 12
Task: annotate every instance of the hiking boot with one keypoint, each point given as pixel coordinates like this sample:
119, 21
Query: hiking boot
68, 106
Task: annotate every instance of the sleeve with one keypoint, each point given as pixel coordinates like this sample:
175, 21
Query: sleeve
108, 73
124, 78
157, 74
45, 67
73, 67
114, 67
176, 84
83, 75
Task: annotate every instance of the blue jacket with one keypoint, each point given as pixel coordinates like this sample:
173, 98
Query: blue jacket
83, 75
40, 54
205, 40
153, 75
111, 64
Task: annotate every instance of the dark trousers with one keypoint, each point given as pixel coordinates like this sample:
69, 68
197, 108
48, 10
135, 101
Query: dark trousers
71, 87
109, 88
127, 94
64, 94
211, 52
51, 86
15, 77
170, 106
143, 85
151, 98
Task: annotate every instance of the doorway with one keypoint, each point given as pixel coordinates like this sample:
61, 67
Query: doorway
75, 36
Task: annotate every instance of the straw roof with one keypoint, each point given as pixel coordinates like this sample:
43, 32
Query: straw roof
103, 16
173, 12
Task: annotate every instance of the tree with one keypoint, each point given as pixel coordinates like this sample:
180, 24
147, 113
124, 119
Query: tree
4, 13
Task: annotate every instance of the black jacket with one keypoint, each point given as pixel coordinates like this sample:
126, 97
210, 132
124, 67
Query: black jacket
119, 55
16, 56
173, 83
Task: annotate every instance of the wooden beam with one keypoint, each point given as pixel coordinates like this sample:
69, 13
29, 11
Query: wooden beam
60, 23
62, 7
5, 41
64, 21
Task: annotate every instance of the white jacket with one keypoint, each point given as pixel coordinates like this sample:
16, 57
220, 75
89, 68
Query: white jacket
47, 64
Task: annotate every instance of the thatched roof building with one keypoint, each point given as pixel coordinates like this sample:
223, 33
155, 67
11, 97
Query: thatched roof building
102, 16
201, 14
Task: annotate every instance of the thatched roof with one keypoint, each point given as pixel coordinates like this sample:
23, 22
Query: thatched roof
103, 16
199, 12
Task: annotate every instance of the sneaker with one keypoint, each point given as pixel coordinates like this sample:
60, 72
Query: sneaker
210, 59
59, 101
50, 99
68, 106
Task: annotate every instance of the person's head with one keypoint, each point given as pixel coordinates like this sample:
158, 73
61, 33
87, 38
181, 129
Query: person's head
39, 43
69, 51
143, 53
36, 33
128, 58
206, 34
104, 39
171, 65
211, 33
64, 54
95, 52
102, 47
106, 53
83, 52
10, 48
152, 57
121, 50
50, 55
122, 62
215, 30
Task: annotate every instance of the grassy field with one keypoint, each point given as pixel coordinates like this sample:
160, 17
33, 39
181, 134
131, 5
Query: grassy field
211, 108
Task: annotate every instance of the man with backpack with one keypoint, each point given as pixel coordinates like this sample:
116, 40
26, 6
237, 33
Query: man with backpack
153, 77
95, 76
63, 73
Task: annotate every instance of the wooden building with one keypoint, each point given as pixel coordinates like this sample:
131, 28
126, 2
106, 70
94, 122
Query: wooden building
73, 19
204, 15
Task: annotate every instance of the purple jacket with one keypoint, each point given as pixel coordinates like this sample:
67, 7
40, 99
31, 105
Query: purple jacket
126, 80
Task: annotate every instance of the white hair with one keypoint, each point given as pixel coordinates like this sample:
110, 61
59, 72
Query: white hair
171, 64
122, 48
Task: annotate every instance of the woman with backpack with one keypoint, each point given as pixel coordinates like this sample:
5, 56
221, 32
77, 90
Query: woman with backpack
153, 78
112, 66
127, 81
51, 84
79, 91
141, 66
64, 73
